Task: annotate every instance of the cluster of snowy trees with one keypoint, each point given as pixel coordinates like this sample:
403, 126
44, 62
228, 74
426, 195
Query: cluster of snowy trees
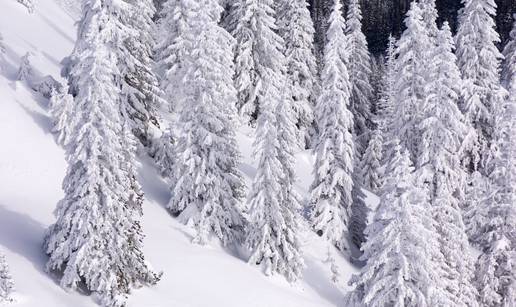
447, 129
436, 142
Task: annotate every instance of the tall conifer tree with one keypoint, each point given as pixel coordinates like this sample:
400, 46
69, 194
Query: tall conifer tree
274, 208
97, 238
479, 62
359, 66
402, 251
331, 190
443, 130
495, 218
297, 30
208, 187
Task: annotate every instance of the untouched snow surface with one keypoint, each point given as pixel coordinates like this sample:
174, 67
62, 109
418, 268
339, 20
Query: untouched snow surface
32, 166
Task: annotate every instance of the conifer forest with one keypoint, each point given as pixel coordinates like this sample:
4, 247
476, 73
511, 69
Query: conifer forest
258, 153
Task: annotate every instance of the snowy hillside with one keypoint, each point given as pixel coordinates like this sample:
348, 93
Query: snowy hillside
32, 167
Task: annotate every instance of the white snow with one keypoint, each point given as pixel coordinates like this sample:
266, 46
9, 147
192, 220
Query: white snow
32, 167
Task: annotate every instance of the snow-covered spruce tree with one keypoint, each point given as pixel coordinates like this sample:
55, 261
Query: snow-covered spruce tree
443, 129
174, 39
359, 66
430, 15
371, 163
274, 209
361, 104
164, 154
140, 87
331, 190
410, 80
297, 30
6, 281
476, 192
97, 238
25, 70
509, 53
495, 275
334, 268
60, 107
479, 62
209, 187
273, 235
496, 270
402, 250
258, 47
360, 212
386, 103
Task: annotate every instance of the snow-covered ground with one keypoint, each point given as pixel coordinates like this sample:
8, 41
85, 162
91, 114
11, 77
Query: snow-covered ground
32, 166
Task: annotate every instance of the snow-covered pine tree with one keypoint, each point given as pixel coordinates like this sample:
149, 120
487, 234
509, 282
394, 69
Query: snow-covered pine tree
443, 128
496, 268
430, 15
140, 88
371, 163
249, 73
476, 192
495, 275
297, 30
334, 268
410, 80
509, 53
208, 187
331, 190
60, 107
361, 104
163, 154
173, 42
402, 250
386, 103
25, 70
257, 50
359, 217
6, 281
479, 62
273, 236
377, 74
97, 238
286, 127
359, 66
274, 212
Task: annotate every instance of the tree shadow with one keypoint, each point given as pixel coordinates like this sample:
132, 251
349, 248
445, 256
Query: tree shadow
156, 188
54, 26
42, 120
317, 279
9, 69
24, 236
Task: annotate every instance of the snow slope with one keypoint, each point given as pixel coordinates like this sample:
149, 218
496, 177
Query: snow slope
32, 166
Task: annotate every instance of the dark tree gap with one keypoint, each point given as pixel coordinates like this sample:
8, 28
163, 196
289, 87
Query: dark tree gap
383, 17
